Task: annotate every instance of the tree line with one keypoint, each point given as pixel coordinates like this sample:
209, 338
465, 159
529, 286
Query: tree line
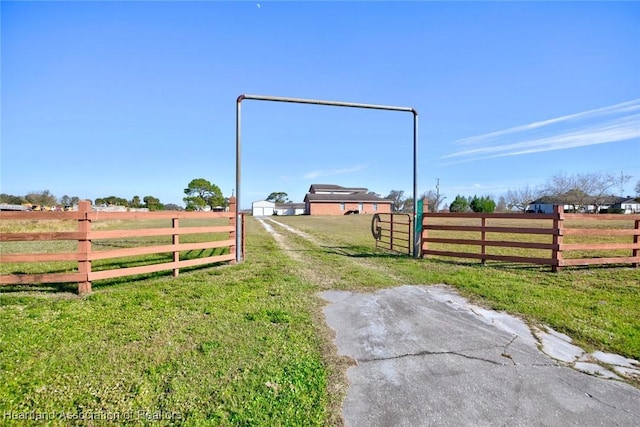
199, 194
580, 190
46, 198
39, 198
435, 200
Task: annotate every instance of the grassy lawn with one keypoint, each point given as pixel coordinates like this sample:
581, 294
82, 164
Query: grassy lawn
232, 345
245, 344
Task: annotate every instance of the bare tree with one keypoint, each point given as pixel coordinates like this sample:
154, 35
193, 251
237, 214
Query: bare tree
501, 206
520, 198
558, 185
397, 196
434, 200
583, 190
600, 186
638, 188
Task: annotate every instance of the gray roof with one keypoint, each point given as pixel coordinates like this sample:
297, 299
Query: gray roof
559, 200
353, 197
332, 187
629, 200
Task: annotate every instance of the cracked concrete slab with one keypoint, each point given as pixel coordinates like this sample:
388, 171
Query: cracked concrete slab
425, 356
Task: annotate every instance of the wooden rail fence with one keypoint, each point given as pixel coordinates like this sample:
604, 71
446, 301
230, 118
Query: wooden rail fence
85, 235
548, 232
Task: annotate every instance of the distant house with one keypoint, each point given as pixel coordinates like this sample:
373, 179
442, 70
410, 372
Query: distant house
625, 205
329, 199
545, 204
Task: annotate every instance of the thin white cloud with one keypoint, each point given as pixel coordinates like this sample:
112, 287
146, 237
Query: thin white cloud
333, 172
614, 123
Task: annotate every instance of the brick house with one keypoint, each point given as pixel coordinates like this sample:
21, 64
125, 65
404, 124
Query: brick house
329, 199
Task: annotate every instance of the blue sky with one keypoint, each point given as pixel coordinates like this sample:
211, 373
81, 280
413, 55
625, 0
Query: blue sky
138, 98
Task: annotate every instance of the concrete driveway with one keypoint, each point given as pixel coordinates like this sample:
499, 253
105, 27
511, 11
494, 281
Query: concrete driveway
426, 357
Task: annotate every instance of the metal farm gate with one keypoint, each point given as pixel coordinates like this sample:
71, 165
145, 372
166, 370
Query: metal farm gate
392, 232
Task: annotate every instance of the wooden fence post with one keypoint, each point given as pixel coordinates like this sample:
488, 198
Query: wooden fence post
558, 225
175, 223
84, 246
483, 237
233, 222
424, 232
391, 234
636, 240
244, 234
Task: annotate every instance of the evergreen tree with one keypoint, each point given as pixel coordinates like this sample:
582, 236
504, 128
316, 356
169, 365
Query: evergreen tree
459, 204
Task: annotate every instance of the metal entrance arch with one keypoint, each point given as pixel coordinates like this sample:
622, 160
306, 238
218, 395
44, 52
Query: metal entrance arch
239, 249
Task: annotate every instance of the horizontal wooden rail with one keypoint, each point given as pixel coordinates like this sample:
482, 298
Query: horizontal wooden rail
498, 243
519, 230
102, 216
21, 279
39, 216
110, 234
599, 246
147, 250
84, 236
43, 257
149, 232
598, 217
487, 215
554, 225
508, 258
593, 261
154, 268
41, 236
599, 232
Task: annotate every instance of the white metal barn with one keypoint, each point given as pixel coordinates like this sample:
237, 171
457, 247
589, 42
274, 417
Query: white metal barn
290, 208
263, 208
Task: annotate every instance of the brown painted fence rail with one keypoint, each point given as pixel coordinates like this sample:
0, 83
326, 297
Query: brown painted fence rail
84, 235
453, 239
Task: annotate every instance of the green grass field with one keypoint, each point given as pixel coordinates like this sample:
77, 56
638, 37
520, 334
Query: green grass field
246, 344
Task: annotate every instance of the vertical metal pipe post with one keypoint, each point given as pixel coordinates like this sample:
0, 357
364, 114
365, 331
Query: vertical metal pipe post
416, 236
239, 231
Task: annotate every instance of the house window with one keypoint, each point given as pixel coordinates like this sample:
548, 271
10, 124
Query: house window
360, 207
342, 206
375, 206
